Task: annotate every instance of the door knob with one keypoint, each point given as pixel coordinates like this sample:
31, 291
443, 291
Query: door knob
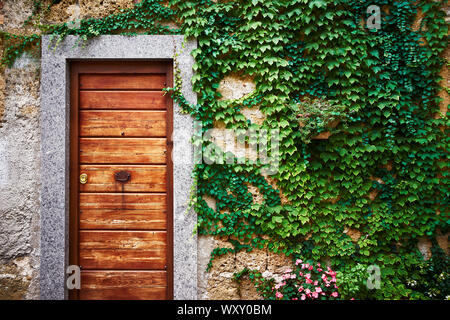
122, 176
83, 178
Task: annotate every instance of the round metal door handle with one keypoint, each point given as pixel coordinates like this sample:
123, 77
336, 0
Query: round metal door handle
83, 178
122, 176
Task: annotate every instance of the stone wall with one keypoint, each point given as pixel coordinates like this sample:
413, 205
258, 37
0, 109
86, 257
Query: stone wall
19, 180
20, 169
218, 282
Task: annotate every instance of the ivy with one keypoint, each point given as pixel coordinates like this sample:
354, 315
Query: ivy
382, 171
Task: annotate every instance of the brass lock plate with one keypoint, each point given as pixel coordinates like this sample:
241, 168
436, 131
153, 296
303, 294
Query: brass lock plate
83, 178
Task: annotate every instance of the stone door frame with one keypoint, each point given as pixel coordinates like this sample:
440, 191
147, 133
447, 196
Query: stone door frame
55, 152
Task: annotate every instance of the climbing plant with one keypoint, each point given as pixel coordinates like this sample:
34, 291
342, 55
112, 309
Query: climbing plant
384, 168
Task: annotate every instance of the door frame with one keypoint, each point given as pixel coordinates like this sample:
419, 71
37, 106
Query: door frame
106, 67
56, 149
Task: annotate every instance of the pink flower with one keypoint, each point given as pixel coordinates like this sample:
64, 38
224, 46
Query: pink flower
303, 297
309, 281
319, 269
294, 298
315, 295
316, 283
331, 272
279, 285
334, 294
300, 289
279, 295
310, 267
318, 289
293, 276
352, 299
298, 261
308, 275
288, 271
307, 291
318, 264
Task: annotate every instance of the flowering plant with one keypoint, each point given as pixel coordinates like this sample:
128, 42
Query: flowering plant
307, 282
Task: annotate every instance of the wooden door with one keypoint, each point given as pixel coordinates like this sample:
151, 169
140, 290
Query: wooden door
121, 179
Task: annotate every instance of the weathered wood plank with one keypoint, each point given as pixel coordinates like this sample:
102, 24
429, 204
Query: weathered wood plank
150, 100
123, 219
154, 293
151, 178
114, 279
123, 211
128, 201
123, 150
123, 123
143, 81
122, 249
